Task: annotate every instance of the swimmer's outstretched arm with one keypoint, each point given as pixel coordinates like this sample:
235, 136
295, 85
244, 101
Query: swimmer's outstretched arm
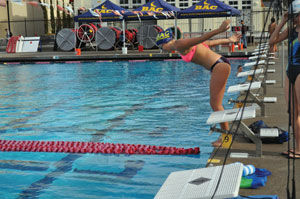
234, 38
276, 35
184, 44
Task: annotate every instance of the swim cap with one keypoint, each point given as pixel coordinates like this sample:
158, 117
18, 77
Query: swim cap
179, 33
164, 37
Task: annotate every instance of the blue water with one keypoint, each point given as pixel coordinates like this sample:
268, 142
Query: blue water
153, 103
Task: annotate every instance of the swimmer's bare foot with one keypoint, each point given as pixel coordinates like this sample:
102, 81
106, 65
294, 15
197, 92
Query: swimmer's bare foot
217, 143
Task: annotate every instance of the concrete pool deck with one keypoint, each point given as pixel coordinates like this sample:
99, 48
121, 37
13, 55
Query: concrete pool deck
59, 56
275, 113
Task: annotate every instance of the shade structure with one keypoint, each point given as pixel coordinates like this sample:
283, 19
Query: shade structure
208, 8
154, 9
107, 11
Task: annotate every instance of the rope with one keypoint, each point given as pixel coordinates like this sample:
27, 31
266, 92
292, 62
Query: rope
93, 147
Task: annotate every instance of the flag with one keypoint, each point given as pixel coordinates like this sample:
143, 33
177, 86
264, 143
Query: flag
60, 8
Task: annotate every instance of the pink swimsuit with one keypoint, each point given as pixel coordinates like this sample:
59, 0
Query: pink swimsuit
189, 56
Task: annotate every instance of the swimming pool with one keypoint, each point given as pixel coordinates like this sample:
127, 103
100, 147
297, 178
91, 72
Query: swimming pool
152, 103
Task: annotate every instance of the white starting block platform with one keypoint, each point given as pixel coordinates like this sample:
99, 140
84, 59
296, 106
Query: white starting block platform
261, 62
258, 56
230, 115
201, 183
263, 44
250, 72
243, 87
261, 49
261, 52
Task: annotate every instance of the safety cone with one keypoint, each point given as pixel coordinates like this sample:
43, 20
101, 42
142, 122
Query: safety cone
232, 47
78, 51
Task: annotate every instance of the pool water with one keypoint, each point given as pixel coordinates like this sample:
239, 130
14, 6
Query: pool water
154, 103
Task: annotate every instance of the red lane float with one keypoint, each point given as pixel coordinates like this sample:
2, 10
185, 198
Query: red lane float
93, 147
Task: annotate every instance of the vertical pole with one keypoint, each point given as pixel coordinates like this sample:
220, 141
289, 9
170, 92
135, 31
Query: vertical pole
283, 63
8, 17
176, 26
190, 27
124, 35
124, 49
230, 26
25, 27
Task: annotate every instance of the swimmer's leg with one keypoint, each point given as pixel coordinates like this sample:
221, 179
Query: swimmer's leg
218, 82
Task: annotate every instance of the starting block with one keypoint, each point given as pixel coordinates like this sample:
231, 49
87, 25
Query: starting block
235, 116
264, 100
262, 48
261, 56
271, 71
261, 62
244, 87
258, 56
261, 52
250, 72
253, 97
230, 115
265, 82
259, 71
202, 183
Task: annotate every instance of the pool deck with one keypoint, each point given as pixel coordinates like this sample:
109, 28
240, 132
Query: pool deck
275, 112
47, 55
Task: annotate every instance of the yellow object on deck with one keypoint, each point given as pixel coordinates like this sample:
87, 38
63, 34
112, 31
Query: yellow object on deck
226, 140
214, 161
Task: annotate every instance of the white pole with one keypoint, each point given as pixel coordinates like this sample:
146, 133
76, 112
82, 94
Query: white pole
124, 50
123, 27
